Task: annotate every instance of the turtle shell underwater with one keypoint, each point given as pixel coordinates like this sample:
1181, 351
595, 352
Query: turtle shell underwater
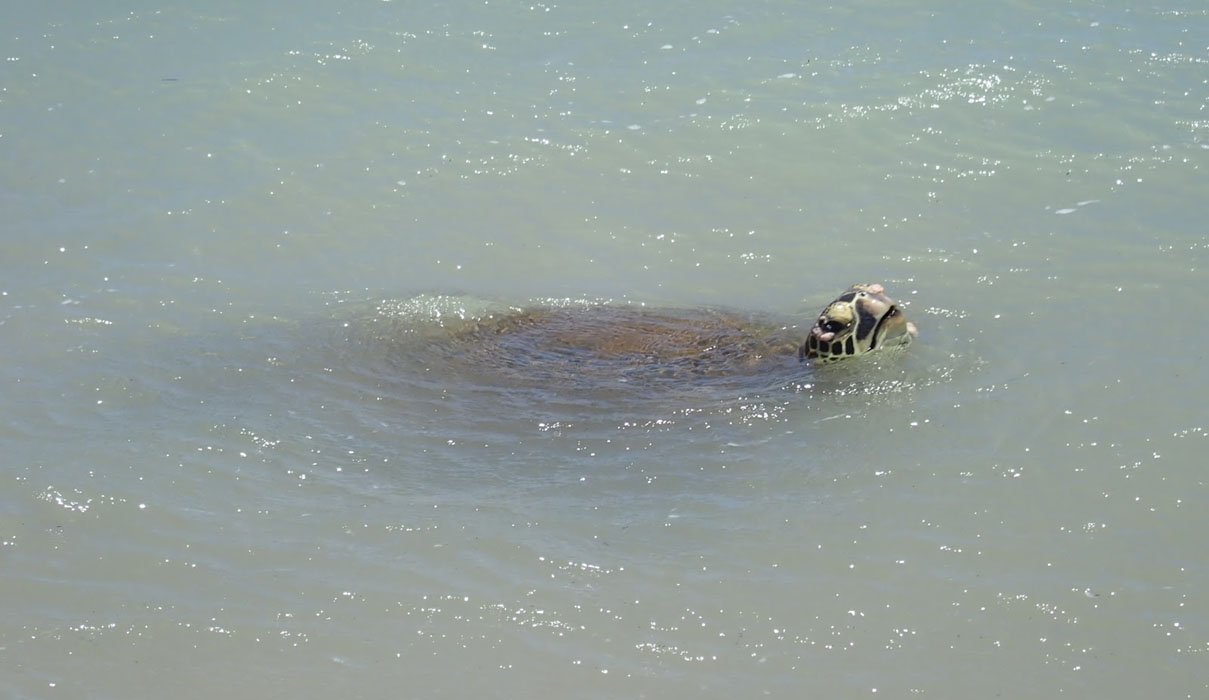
624, 344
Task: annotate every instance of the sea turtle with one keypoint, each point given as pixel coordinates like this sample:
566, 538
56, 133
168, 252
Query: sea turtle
612, 343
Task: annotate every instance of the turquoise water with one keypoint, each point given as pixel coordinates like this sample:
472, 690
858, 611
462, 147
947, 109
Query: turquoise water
230, 468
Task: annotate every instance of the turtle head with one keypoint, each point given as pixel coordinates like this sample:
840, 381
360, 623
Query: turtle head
859, 321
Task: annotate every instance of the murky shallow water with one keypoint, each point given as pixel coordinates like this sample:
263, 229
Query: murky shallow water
230, 469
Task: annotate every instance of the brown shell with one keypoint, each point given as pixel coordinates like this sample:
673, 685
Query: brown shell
626, 343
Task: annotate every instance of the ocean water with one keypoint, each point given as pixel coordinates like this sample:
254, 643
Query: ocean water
238, 461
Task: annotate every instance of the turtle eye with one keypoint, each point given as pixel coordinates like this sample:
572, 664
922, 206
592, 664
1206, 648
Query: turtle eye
831, 326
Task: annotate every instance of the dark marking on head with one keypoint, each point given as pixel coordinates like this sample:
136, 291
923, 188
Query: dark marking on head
837, 348
849, 347
867, 323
